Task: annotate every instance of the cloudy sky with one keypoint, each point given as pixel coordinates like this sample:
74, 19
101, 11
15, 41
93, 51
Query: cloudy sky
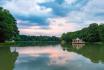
54, 17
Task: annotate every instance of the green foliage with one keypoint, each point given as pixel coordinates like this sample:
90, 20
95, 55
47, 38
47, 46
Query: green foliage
93, 33
101, 31
8, 28
38, 38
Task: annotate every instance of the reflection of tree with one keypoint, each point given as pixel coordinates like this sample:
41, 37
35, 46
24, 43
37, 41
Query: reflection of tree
7, 58
35, 43
94, 52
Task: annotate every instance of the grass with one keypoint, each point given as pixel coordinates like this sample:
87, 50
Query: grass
7, 44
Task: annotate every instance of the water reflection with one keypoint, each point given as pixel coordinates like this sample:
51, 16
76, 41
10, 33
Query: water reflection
7, 58
55, 54
46, 58
78, 46
52, 57
33, 43
94, 52
55, 58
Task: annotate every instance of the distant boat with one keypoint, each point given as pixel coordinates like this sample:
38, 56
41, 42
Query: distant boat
77, 41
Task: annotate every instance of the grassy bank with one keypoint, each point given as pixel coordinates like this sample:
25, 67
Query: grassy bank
7, 44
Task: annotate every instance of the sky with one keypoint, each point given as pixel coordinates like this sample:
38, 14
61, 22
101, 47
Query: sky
54, 17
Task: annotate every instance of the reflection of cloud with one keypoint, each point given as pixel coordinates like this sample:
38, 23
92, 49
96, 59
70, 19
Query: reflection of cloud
61, 58
55, 54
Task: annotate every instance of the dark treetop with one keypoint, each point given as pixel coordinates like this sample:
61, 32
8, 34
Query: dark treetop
8, 28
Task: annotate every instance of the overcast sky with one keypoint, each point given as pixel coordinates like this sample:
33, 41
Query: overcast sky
54, 17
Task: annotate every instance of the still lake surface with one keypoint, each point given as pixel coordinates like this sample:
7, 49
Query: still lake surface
52, 57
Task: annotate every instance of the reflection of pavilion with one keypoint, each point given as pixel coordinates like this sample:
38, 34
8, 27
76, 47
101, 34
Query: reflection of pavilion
78, 46
95, 52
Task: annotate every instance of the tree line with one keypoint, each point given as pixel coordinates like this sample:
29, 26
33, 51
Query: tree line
92, 33
37, 38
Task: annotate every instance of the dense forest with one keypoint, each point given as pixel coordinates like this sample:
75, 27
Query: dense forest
8, 27
93, 33
37, 38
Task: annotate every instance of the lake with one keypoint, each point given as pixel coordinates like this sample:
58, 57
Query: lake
52, 57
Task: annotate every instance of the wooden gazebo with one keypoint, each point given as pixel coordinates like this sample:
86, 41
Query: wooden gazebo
77, 41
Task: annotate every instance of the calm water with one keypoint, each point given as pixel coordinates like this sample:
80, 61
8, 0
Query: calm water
52, 57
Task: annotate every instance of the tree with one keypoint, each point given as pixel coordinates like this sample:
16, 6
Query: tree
101, 32
8, 28
38, 38
93, 33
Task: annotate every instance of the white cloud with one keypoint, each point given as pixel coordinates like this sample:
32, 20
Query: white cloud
92, 8
27, 7
87, 14
69, 1
57, 26
75, 20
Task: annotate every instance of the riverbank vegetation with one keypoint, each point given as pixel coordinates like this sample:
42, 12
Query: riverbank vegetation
37, 38
93, 33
